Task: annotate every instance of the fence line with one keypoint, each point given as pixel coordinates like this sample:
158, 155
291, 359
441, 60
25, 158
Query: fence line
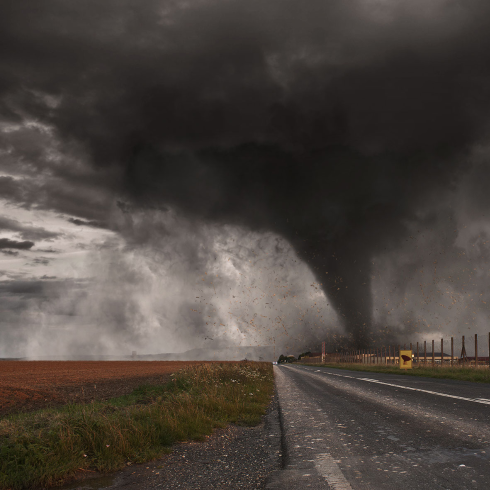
391, 355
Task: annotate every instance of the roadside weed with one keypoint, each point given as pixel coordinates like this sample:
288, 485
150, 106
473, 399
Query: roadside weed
47, 447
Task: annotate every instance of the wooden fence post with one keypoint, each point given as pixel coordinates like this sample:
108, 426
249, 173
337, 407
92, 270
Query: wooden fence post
476, 350
382, 355
452, 351
463, 351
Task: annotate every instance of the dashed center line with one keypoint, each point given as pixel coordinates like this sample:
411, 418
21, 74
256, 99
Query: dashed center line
330, 470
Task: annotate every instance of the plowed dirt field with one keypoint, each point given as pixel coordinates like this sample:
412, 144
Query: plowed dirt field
30, 385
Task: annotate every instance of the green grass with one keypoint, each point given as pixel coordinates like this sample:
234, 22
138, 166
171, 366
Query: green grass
49, 446
480, 375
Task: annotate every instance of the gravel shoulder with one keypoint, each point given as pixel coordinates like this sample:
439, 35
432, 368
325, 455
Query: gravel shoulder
231, 458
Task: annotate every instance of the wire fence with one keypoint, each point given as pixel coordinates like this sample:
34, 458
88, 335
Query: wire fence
444, 352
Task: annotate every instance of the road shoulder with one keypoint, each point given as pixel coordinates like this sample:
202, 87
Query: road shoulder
231, 458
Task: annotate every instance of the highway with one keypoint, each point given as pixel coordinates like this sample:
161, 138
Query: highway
347, 430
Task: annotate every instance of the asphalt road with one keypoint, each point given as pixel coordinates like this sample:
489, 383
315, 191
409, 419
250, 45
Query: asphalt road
354, 430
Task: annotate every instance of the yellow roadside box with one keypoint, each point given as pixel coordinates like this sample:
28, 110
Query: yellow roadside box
405, 359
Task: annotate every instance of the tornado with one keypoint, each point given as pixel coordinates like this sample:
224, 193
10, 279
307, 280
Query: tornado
338, 209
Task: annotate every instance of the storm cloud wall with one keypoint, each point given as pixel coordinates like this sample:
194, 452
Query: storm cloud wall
351, 129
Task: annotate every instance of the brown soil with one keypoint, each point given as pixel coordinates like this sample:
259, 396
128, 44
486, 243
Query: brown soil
30, 385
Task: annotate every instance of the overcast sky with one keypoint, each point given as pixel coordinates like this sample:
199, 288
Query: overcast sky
211, 173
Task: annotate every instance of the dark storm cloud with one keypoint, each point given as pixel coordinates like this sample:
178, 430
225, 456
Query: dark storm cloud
302, 74
38, 289
81, 222
68, 194
327, 122
48, 250
21, 287
10, 252
9, 189
40, 261
27, 232
6, 243
45, 172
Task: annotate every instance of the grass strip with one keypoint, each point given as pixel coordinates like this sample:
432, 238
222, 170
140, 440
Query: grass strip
49, 446
480, 375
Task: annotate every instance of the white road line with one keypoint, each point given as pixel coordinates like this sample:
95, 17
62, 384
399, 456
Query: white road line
475, 400
330, 470
483, 401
